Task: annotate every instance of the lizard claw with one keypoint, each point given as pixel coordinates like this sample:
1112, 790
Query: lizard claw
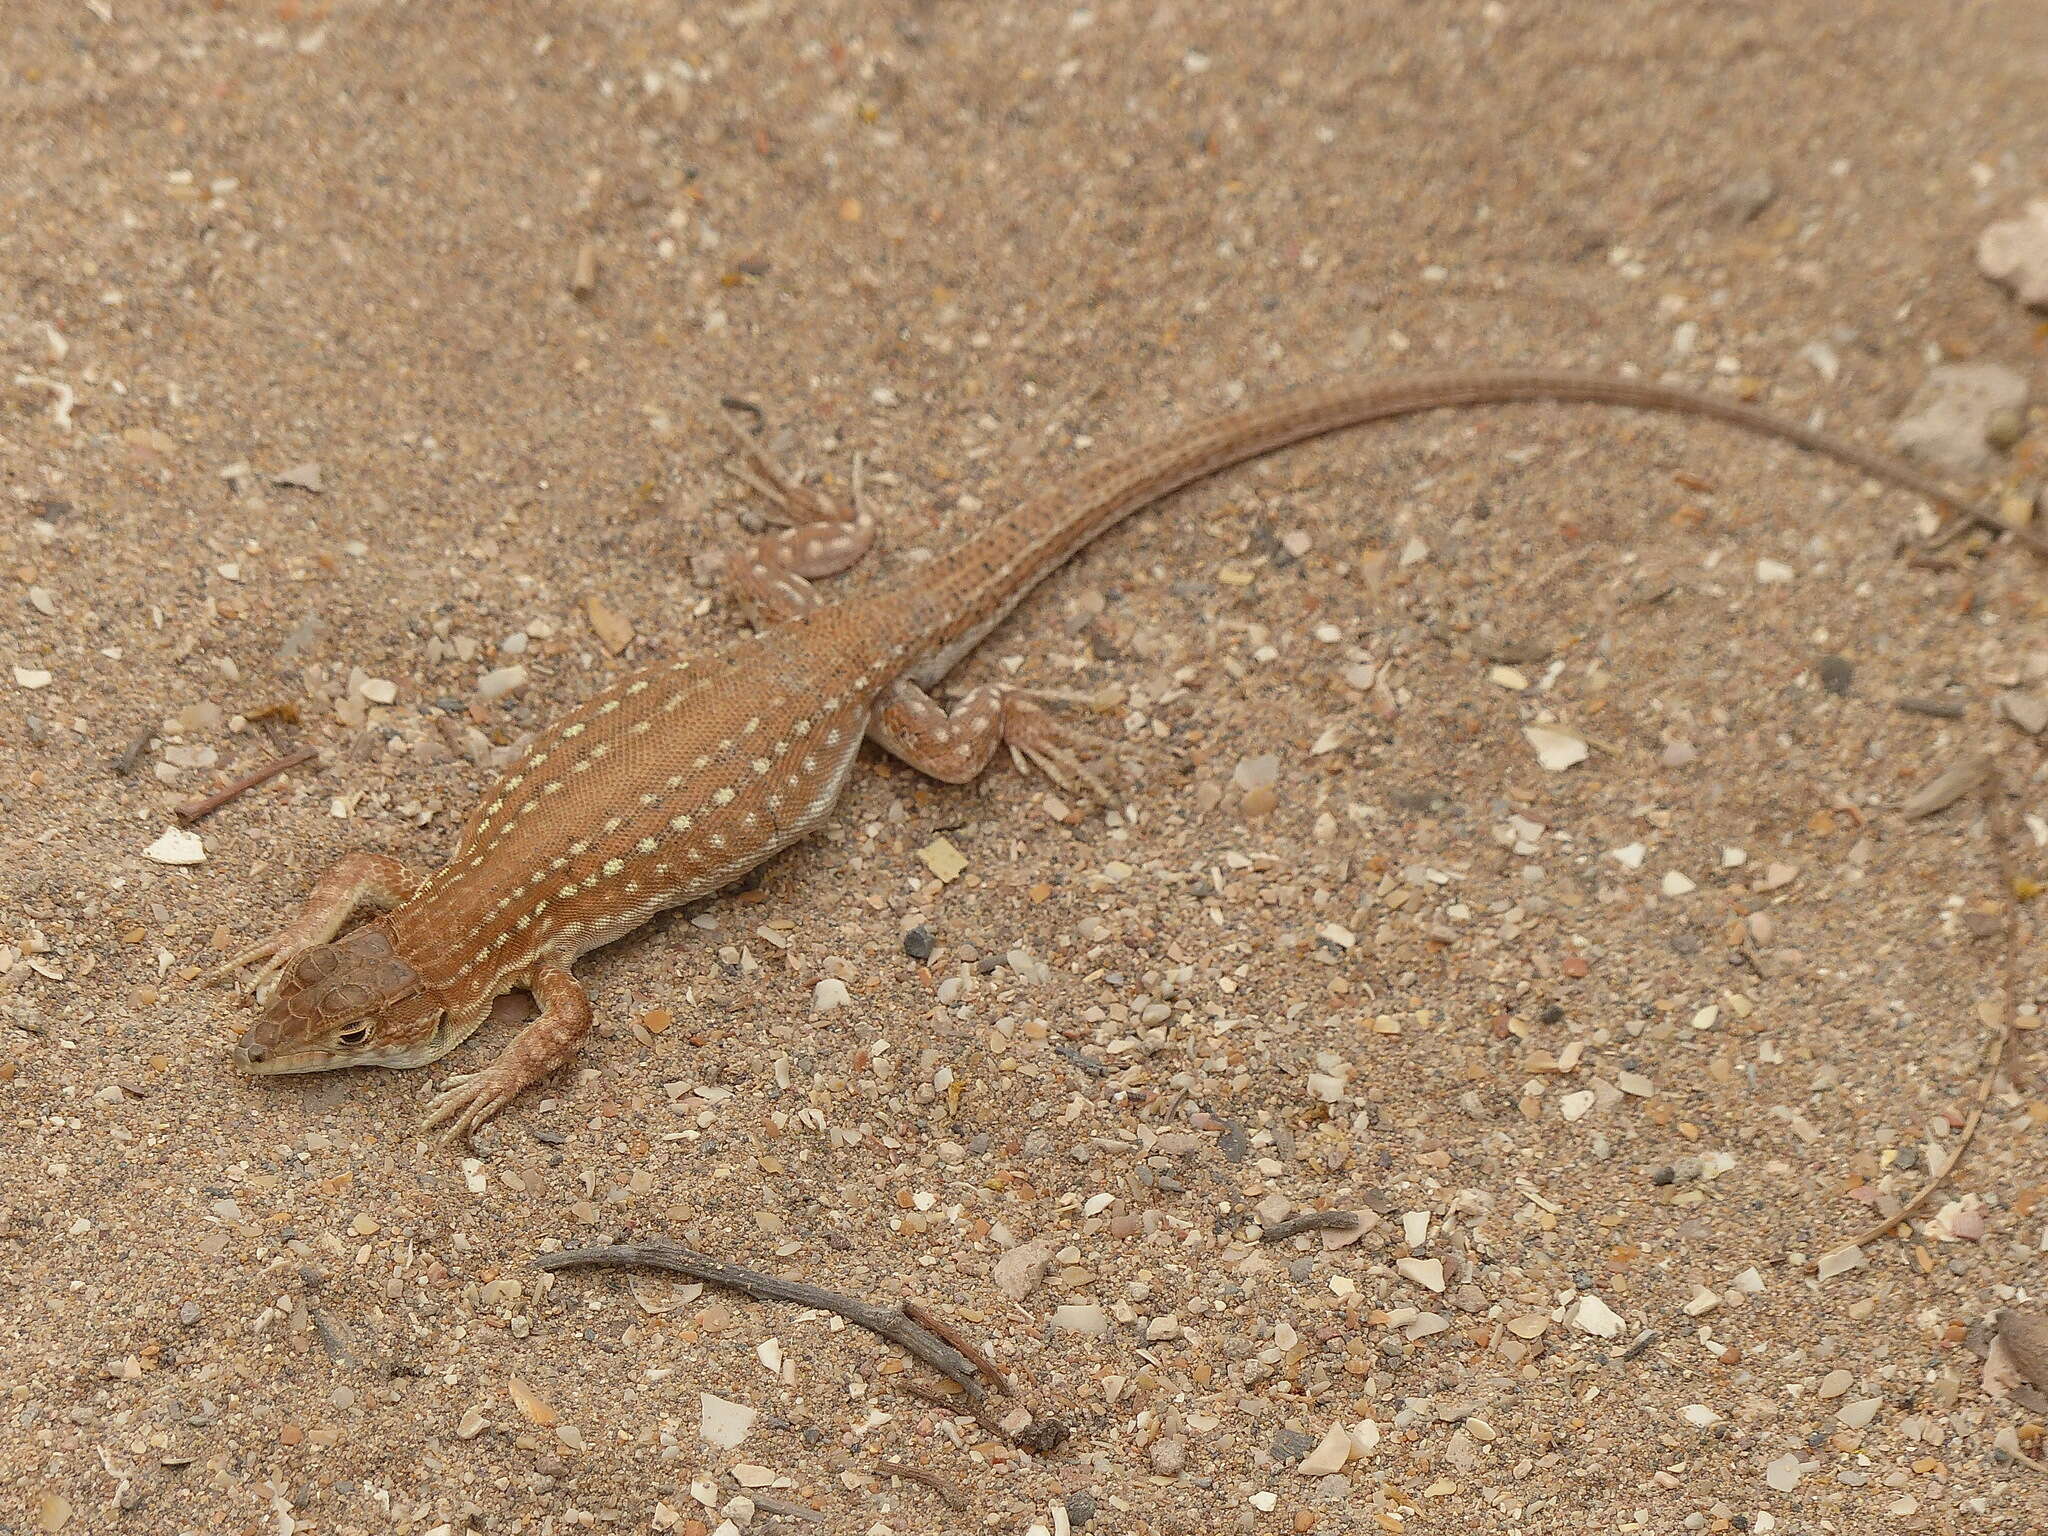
788, 500
466, 1101
1034, 736
273, 952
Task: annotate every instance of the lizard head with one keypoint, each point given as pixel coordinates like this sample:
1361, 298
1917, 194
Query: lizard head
352, 1003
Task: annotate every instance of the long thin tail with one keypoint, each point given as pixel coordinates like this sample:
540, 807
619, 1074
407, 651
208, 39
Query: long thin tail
969, 589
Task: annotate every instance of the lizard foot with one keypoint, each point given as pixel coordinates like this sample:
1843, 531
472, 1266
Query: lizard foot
468, 1099
1035, 736
276, 954
356, 881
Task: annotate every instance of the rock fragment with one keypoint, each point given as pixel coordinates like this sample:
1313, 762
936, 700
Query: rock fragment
2014, 252
1954, 418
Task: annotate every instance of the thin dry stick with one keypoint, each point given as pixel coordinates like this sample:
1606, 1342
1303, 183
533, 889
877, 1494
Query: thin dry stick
954, 1498
206, 805
1978, 515
1992, 786
931, 1322
885, 1322
1309, 1221
938, 1397
129, 757
775, 1506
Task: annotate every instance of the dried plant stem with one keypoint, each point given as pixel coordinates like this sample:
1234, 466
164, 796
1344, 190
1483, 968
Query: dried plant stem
1999, 826
886, 1322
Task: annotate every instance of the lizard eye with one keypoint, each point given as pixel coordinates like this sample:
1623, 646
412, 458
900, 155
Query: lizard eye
355, 1036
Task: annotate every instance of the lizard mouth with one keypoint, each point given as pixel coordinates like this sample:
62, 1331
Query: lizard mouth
261, 1053
260, 1058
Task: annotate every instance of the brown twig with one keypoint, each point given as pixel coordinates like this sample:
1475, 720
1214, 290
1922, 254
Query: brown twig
1040, 1436
940, 1398
129, 757
885, 1322
206, 805
1941, 709
775, 1506
1991, 785
954, 1498
931, 1322
1309, 1221
1980, 516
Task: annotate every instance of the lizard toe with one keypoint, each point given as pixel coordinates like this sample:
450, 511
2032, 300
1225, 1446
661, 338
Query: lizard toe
1036, 737
465, 1102
267, 949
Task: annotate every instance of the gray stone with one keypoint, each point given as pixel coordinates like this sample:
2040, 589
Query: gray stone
2015, 252
2028, 711
1290, 1445
1950, 420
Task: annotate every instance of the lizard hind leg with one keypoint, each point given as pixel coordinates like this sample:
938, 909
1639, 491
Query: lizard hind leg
819, 537
356, 882
955, 746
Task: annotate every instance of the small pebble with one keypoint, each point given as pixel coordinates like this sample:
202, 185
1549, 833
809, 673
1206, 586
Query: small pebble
500, 682
1290, 1445
1948, 422
1168, 1456
2015, 252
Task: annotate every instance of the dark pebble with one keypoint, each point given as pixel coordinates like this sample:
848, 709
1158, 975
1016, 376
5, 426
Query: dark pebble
918, 943
1290, 1445
1836, 674
1080, 1509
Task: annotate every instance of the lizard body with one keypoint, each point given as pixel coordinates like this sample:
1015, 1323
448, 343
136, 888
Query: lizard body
679, 778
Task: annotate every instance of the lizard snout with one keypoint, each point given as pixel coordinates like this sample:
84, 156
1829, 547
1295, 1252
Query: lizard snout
252, 1051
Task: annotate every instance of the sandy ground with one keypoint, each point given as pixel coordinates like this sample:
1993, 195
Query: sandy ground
1589, 1045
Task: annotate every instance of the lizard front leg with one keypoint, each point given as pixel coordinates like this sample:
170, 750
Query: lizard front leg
954, 747
355, 882
543, 1047
820, 538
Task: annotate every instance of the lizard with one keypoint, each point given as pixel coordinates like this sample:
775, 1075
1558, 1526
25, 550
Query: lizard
682, 776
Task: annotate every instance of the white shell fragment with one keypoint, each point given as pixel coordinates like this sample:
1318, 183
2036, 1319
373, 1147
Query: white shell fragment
721, 1423
1589, 1314
1556, 750
1330, 1454
176, 846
